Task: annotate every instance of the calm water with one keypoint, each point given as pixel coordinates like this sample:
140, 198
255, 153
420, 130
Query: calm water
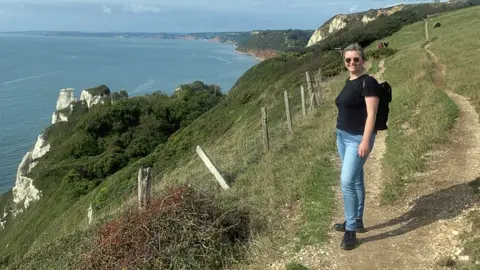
33, 70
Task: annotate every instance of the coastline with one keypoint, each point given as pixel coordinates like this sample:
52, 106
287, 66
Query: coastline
250, 54
136, 84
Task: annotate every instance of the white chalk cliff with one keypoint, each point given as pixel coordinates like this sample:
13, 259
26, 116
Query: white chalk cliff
91, 99
24, 193
341, 21
64, 100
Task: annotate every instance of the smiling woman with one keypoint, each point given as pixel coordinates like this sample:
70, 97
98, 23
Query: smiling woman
357, 108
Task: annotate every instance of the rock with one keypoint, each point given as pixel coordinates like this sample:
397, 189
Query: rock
92, 99
65, 98
59, 117
24, 191
90, 214
41, 147
464, 258
341, 21
455, 232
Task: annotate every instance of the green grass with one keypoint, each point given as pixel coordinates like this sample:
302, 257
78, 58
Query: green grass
421, 115
273, 183
291, 187
374, 68
457, 48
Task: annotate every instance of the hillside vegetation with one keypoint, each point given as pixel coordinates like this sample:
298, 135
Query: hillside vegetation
269, 43
285, 195
455, 43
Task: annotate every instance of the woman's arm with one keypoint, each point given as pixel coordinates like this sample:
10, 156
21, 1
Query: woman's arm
372, 106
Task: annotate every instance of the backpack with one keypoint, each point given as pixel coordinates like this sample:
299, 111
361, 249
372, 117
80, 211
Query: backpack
383, 106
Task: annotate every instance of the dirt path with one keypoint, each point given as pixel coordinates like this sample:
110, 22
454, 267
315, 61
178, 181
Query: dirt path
423, 229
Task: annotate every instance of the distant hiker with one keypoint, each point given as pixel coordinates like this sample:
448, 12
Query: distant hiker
356, 130
385, 44
437, 24
380, 45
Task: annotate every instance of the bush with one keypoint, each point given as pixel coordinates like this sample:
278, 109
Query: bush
277, 40
181, 230
101, 90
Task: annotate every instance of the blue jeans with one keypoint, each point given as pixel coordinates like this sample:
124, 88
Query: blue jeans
352, 176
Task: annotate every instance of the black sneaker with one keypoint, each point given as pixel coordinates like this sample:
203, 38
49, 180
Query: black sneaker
349, 240
341, 226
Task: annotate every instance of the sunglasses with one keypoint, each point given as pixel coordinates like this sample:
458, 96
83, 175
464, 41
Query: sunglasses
355, 59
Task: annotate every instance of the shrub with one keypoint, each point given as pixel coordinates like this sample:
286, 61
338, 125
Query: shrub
182, 230
101, 90
380, 53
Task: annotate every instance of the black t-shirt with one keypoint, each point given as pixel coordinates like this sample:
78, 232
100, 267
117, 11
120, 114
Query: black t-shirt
352, 109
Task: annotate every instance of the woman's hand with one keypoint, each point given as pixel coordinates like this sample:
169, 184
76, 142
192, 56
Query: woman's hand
363, 149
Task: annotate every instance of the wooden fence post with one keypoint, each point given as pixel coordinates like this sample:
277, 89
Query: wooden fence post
312, 102
287, 111
302, 92
309, 83
144, 187
90, 214
213, 169
266, 140
318, 90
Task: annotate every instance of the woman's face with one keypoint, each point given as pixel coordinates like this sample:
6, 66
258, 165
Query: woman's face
353, 61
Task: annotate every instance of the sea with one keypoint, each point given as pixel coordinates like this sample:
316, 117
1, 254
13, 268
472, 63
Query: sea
33, 69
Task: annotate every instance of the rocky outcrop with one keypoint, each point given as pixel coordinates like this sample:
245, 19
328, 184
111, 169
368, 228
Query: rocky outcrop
59, 117
91, 100
341, 21
24, 192
65, 99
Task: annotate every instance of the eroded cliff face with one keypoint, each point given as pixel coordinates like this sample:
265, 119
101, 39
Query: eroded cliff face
24, 192
260, 54
347, 20
65, 99
91, 100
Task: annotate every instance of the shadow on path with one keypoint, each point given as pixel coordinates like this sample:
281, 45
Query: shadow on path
443, 204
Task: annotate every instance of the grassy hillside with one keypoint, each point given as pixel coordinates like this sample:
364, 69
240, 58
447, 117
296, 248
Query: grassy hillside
274, 41
416, 101
456, 47
287, 192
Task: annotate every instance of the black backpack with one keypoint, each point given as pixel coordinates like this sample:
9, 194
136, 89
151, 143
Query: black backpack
383, 106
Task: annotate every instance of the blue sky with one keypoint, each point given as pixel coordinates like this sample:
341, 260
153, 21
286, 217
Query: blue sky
176, 15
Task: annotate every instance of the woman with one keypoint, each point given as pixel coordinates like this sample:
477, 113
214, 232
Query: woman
357, 108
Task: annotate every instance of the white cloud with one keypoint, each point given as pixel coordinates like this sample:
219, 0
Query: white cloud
352, 9
106, 10
136, 8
